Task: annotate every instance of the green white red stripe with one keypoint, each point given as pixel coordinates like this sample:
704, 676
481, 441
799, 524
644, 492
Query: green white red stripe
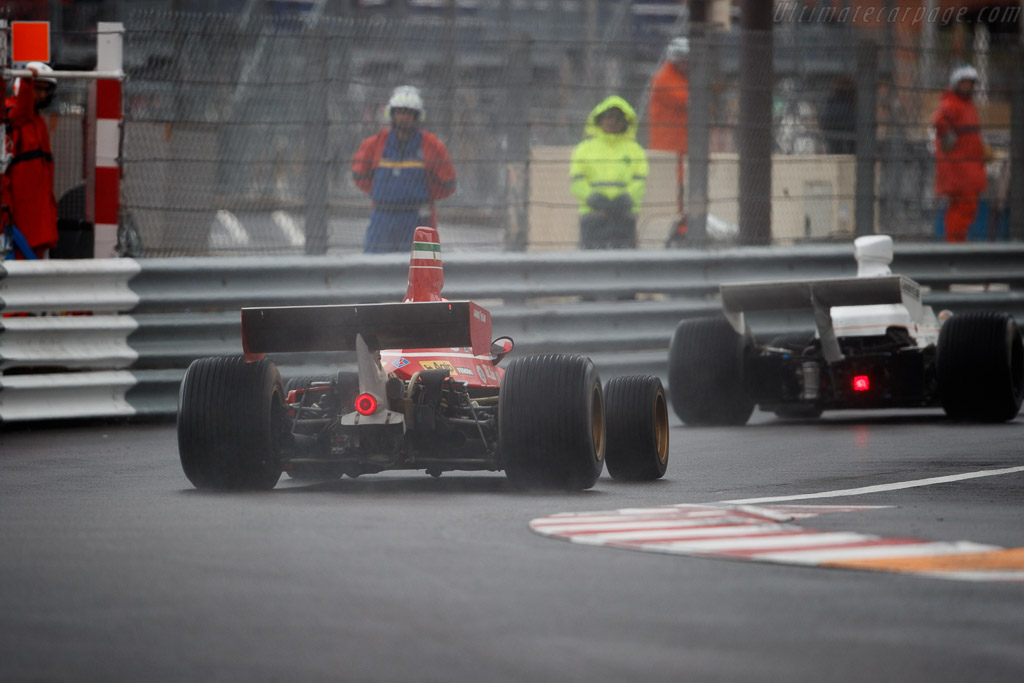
426, 251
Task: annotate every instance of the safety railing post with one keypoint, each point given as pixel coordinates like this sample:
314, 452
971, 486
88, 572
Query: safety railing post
867, 80
103, 189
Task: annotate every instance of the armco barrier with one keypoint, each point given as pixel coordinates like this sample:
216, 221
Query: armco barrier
96, 286
151, 318
63, 340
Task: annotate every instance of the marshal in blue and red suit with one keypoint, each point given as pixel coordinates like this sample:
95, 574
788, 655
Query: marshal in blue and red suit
405, 170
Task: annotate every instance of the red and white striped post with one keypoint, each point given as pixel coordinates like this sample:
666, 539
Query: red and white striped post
103, 188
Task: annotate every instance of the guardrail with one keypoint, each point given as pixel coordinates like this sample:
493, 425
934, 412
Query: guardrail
147, 320
63, 339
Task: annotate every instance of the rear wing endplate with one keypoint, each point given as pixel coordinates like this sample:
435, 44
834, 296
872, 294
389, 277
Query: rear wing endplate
407, 325
819, 296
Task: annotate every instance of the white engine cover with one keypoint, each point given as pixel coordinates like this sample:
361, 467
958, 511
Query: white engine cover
873, 320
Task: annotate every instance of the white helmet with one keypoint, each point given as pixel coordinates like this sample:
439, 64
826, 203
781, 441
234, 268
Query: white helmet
678, 49
41, 68
406, 97
962, 73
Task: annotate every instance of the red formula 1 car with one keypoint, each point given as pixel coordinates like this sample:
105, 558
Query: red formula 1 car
428, 395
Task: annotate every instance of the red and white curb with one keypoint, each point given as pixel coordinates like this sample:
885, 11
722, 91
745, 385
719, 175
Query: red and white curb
767, 533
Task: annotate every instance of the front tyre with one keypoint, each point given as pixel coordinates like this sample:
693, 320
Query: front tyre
551, 423
231, 424
705, 373
636, 418
980, 366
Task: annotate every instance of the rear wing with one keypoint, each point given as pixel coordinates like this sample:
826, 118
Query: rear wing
819, 296
407, 325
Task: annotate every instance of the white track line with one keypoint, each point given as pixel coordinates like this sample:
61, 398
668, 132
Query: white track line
879, 488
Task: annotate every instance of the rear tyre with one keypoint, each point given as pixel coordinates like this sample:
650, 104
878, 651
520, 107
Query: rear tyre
636, 420
551, 423
705, 373
980, 366
231, 424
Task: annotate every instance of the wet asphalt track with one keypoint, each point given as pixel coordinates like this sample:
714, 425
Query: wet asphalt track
112, 568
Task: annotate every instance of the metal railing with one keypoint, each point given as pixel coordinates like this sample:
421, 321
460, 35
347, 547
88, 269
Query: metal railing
153, 317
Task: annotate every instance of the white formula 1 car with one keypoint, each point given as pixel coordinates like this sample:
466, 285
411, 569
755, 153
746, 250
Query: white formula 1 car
875, 346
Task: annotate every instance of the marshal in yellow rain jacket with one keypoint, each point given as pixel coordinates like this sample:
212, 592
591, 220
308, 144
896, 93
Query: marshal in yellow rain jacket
611, 164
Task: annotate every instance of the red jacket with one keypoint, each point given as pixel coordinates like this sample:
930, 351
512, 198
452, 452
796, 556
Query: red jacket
962, 170
434, 163
667, 112
28, 182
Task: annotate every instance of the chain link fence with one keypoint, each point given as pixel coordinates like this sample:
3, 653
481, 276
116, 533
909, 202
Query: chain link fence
240, 127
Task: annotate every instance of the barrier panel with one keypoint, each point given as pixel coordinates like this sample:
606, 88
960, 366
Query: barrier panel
63, 339
99, 341
150, 318
96, 394
63, 286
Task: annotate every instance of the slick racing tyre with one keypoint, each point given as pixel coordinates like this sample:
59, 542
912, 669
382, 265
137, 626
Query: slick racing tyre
705, 373
980, 366
636, 421
551, 423
231, 424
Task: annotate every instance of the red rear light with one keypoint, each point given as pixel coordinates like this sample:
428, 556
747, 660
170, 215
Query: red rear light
861, 383
366, 404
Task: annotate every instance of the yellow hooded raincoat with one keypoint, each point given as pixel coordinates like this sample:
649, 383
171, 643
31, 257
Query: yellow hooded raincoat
609, 163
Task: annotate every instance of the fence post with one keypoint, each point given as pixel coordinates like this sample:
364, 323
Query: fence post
316, 142
517, 188
446, 107
867, 80
699, 128
755, 122
1016, 198
105, 120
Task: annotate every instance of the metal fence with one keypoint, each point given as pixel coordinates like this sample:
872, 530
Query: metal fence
231, 118
240, 126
